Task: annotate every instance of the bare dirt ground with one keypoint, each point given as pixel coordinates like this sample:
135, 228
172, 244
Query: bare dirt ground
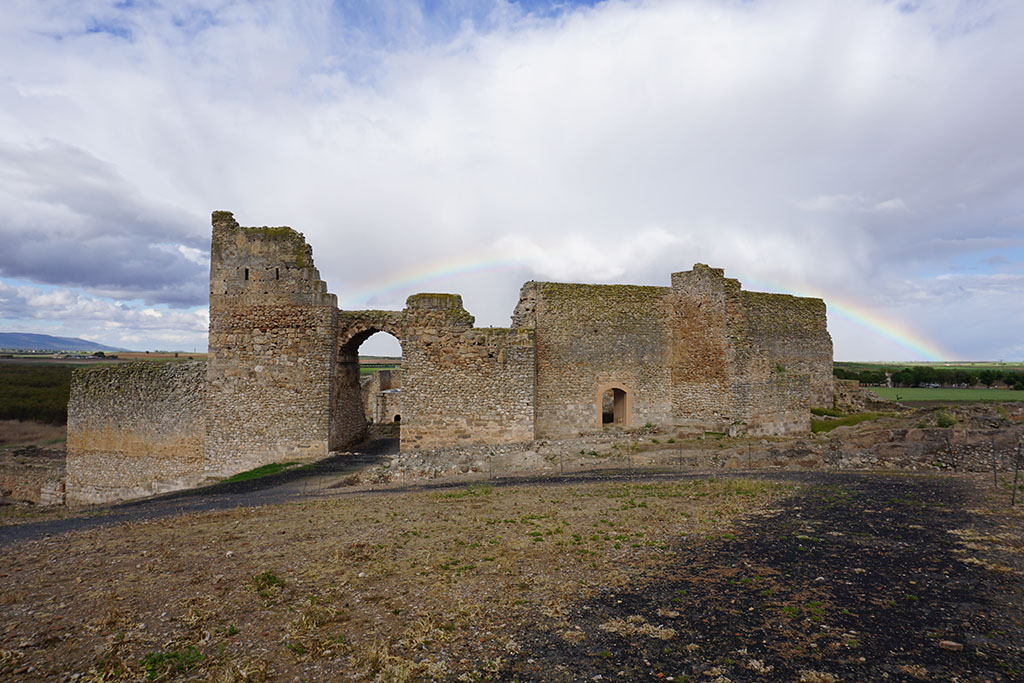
811, 576
29, 433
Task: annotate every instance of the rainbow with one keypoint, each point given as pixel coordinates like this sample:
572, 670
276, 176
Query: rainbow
872, 321
859, 314
412, 280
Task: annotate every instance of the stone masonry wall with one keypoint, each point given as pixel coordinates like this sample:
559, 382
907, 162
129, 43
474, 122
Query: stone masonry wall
135, 429
792, 331
460, 384
590, 338
381, 396
702, 358
33, 475
730, 369
272, 349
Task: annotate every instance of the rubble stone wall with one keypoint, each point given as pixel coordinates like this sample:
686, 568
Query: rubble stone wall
33, 475
791, 331
699, 354
135, 429
381, 393
590, 338
272, 349
461, 384
282, 381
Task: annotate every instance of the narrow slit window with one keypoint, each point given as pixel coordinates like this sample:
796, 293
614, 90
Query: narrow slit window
246, 274
277, 273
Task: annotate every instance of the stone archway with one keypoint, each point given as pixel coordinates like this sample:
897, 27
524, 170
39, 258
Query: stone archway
620, 409
347, 419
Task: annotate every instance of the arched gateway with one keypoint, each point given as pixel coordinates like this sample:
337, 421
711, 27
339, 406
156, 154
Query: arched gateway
348, 420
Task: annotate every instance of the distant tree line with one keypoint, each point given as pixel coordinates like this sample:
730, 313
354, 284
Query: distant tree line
924, 375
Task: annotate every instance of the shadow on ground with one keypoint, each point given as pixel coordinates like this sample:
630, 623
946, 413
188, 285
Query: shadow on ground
858, 577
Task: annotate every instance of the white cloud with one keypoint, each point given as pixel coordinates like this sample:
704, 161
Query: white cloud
70, 313
830, 144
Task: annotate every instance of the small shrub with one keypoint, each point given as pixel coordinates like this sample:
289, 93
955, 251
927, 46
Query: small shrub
944, 419
265, 582
159, 664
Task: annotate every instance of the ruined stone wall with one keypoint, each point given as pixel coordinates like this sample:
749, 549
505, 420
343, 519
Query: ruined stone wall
746, 361
272, 349
594, 337
135, 429
777, 406
460, 384
381, 393
793, 334
702, 358
847, 393
33, 475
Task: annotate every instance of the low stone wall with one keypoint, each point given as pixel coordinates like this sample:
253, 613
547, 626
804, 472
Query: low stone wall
852, 397
32, 475
135, 430
382, 395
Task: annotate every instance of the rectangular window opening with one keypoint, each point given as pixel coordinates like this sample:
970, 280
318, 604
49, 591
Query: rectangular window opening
246, 274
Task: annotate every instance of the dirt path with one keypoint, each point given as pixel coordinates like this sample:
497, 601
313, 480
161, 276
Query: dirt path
289, 485
858, 577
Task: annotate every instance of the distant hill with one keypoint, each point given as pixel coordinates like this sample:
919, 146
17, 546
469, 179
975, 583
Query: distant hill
22, 341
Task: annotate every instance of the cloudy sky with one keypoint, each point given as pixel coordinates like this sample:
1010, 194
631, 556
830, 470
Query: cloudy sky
870, 152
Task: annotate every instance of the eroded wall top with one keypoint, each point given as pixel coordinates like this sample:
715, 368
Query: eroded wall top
260, 266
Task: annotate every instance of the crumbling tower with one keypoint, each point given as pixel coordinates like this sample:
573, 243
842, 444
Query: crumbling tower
272, 337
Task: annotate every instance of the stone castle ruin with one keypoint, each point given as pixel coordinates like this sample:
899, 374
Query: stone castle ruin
282, 378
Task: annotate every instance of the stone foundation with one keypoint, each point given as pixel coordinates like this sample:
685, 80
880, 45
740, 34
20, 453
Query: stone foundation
32, 475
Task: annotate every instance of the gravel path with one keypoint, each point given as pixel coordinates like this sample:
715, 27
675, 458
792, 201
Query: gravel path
292, 484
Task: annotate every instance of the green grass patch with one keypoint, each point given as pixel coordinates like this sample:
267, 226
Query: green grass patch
818, 426
941, 394
372, 368
261, 471
831, 412
161, 664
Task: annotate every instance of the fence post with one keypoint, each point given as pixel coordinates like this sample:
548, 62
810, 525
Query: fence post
1016, 469
995, 466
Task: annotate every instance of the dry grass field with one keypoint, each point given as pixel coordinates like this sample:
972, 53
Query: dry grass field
29, 433
358, 587
800, 577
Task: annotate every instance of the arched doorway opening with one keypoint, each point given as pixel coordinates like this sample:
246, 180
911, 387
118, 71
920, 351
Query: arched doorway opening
367, 387
614, 406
